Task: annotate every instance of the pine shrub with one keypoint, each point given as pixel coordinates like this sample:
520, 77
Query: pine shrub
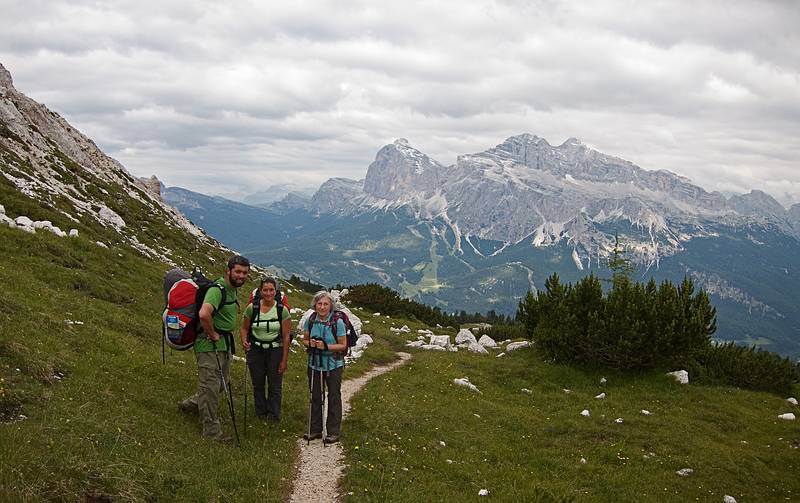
633, 326
745, 367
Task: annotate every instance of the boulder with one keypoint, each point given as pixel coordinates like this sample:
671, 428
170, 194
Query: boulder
433, 347
585, 413
477, 348
464, 336
681, 376
788, 416
440, 340
487, 341
23, 221
415, 344
73, 233
513, 346
792, 400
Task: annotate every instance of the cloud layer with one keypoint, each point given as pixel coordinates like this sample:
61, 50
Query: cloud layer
231, 97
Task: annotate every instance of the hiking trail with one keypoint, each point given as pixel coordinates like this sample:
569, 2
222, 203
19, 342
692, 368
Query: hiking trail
319, 468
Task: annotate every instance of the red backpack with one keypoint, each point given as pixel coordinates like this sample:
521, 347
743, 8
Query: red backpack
183, 296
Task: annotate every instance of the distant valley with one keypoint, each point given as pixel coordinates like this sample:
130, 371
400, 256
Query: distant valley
479, 234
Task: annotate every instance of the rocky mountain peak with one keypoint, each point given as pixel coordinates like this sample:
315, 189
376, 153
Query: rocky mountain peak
756, 202
6, 82
398, 169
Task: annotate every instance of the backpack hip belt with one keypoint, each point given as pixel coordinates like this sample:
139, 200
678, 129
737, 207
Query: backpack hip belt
266, 345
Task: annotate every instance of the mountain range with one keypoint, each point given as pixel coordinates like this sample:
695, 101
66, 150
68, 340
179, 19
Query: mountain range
478, 234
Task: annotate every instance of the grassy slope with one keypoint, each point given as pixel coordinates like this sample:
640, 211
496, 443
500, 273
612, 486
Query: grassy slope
110, 425
527, 447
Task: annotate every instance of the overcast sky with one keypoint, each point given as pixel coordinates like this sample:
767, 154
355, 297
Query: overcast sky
231, 97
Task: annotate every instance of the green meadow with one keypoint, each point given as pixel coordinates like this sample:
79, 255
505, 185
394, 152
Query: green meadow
80, 359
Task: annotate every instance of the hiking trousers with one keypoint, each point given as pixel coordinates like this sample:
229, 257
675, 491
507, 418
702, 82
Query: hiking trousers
263, 364
333, 381
209, 389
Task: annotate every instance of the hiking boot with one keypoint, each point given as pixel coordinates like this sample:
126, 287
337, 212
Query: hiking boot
331, 439
313, 436
188, 408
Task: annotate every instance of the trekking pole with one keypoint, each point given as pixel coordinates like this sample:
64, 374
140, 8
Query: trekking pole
228, 396
244, 412
310, 396
322, 398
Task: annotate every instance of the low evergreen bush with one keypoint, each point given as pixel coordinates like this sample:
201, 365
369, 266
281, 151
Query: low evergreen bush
745, 367
633, 326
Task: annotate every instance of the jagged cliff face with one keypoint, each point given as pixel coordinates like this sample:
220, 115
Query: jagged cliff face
526, 188
46, 159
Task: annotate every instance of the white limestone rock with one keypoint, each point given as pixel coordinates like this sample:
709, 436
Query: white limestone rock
464, 381
404, 329
681, 376
601, 396
464, 336
646, 412
585, 413
440, 340
526, 390
685, 472
487, 341
483, 492
792, 400
789, 416
474, 347
499, 355
108, 215
728, 499
23, 221
43, 224
415, 344
619, 420
433, 347
73, 233
517, 345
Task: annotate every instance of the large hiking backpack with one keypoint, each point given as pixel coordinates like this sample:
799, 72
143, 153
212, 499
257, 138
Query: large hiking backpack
183, 297
255, 300
352, 337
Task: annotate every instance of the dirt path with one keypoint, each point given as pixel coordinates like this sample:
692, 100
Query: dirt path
319, 470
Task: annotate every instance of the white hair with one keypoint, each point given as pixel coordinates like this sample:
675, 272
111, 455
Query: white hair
319, 295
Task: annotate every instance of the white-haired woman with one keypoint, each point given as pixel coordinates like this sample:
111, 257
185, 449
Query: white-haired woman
325, 365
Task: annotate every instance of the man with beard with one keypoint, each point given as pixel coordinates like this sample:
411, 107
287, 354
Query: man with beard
214, 345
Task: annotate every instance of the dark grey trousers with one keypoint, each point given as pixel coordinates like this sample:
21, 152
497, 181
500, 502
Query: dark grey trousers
333, 383
263, 364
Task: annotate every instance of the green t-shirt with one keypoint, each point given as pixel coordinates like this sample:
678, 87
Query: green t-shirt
224, 316
265, 326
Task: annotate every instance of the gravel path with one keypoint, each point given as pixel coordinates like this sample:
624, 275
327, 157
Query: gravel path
317, 476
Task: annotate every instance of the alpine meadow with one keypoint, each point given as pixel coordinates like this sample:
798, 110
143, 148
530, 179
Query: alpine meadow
573, 391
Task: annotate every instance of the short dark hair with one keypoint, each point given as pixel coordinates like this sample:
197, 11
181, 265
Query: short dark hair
238, 260
268, 279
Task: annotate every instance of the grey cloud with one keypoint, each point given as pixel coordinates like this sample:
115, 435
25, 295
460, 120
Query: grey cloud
707, 90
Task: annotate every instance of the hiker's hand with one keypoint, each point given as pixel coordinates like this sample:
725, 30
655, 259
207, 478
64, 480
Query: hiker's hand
213, 336
282, 367
246, 345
